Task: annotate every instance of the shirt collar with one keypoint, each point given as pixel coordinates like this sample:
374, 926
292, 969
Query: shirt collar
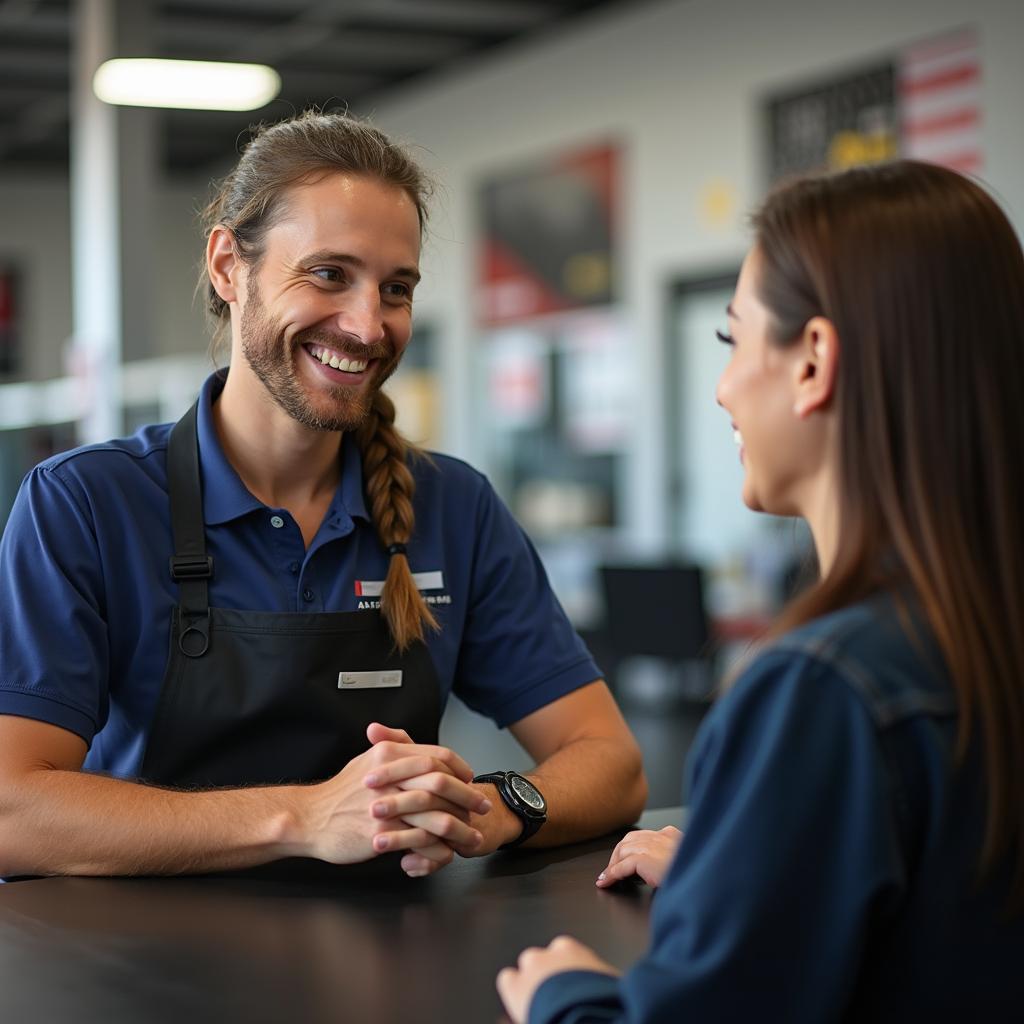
225, 497
350, 488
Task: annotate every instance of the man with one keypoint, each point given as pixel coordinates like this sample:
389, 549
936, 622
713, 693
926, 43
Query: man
321, 588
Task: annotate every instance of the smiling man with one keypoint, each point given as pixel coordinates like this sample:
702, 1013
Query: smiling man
230, 640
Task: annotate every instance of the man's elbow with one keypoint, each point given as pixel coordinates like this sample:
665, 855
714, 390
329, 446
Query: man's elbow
634, 798
13, 859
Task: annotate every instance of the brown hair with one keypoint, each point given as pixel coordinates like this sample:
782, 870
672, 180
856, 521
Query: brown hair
922, 276
248, 202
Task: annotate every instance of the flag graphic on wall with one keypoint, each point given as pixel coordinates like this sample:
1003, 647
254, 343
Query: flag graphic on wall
940, 102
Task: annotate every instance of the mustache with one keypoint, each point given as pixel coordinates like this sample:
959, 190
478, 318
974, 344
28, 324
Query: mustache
346, 344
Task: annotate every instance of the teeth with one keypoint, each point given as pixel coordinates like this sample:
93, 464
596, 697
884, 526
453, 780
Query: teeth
329, 358
738, 438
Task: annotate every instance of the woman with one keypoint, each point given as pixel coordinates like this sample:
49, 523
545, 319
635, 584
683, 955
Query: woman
855, 849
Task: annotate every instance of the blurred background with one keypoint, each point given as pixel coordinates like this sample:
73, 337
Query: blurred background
597, 160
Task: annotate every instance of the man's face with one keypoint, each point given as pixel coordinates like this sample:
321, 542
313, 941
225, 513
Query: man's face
328, 309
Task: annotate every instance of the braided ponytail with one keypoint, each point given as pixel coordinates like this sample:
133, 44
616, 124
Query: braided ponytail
248, 201
390, 487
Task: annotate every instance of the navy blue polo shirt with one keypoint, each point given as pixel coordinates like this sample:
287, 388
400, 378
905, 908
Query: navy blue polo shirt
86, 594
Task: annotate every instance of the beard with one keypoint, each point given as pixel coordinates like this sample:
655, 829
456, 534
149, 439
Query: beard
272, 359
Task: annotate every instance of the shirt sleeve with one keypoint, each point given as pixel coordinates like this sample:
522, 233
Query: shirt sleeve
518, 651
790, 856
577, 997
53, 635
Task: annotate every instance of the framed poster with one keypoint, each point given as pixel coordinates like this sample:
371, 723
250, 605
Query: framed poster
548, 236
10, 342
835, 123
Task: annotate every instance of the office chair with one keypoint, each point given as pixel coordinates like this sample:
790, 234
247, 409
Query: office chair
658, 611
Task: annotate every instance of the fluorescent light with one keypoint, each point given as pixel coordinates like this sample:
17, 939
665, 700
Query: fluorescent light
186, 84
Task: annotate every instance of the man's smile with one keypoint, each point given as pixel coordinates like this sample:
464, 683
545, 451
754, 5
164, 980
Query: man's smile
337, 360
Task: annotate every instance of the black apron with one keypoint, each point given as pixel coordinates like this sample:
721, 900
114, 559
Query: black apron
254, 698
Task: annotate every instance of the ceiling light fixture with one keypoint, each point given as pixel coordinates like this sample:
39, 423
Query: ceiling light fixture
185, 84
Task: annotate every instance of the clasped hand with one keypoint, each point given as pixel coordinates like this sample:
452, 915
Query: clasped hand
396, 796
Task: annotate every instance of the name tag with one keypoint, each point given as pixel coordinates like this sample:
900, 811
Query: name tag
423, 580
369, 680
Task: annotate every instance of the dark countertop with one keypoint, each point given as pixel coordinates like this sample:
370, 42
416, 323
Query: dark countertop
306, 944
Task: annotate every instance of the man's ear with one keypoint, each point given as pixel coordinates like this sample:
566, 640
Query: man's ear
223, 264
817, 366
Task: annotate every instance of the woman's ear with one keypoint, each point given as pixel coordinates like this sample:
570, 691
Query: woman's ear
816, 367
223, 264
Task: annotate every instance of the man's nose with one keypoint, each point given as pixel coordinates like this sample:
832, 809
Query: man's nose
363, 317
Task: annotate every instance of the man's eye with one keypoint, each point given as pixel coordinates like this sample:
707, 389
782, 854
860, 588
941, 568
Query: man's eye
397, 290
332, 274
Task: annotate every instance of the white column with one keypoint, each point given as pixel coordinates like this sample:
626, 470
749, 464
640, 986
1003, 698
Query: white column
95, 220
138, 170
113, 157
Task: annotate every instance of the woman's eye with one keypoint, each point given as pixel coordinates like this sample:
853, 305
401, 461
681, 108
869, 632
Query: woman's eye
397, 290
725, 339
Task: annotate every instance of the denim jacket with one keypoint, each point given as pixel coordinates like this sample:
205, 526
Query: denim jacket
829, 866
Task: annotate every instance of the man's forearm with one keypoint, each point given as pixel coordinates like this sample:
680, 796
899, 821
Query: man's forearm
591, 785
71, 822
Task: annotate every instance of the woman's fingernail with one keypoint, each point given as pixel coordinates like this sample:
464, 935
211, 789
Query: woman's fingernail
380, 842
371, 780
600, 877
484, 806
380, 810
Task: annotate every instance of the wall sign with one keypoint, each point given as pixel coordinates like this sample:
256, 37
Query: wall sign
923, 102
10, 361
549, 236
834, 124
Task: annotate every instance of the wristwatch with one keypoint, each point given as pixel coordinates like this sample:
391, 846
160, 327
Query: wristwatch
523, 799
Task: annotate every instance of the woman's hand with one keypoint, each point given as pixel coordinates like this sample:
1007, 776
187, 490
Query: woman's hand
518, 985
644, 853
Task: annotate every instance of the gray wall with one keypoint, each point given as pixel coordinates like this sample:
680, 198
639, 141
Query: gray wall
677, 82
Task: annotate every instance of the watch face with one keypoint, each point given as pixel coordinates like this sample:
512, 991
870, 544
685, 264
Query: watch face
527, 792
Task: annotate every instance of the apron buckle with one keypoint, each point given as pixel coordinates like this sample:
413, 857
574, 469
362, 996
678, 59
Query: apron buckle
191, 567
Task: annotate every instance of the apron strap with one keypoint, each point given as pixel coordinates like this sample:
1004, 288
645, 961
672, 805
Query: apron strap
191, 566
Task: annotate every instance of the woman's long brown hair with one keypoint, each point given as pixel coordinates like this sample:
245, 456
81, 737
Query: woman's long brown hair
922, 276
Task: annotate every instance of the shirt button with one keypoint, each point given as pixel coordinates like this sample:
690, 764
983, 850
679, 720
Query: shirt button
307, 594
276, 522
293, 568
